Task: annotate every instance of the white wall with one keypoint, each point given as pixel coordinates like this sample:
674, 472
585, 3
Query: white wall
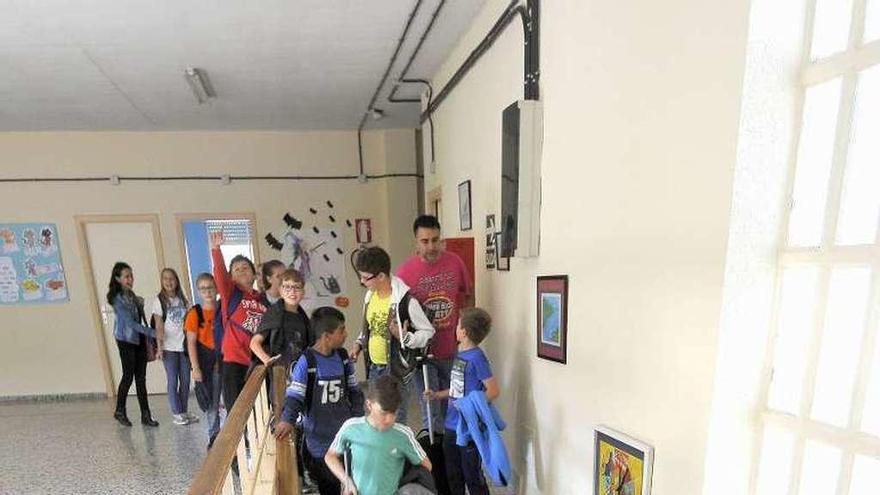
52, 349
641, 106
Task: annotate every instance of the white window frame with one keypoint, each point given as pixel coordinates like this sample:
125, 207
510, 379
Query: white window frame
847, 64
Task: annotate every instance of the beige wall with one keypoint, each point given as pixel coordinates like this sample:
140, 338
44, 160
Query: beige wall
641, 106
52, 348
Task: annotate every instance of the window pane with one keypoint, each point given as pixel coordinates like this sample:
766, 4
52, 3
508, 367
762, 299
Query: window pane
865, 476
795, 328
774, 472
820, 469
860, 201
815, 148
871, 411
830, 27
872, 21
841, 341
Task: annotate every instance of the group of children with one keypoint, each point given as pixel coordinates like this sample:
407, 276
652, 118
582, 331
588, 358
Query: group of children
225, 337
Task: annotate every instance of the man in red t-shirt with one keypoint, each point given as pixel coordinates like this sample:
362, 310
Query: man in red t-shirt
439, 280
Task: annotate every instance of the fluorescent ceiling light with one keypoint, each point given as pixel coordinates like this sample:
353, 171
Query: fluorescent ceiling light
200, 84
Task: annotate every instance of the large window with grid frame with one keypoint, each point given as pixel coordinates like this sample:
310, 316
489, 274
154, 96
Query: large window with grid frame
820, 420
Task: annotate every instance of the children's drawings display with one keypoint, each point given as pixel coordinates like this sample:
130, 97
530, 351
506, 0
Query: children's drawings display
312, 244
30, 264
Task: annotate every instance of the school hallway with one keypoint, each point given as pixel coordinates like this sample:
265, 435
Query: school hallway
668, 209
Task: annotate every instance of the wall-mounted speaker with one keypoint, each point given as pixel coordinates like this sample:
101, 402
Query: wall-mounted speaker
522, 138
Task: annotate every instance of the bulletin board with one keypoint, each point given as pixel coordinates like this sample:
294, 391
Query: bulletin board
30, 264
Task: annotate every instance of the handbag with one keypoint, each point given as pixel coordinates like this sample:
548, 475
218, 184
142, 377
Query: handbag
152, 347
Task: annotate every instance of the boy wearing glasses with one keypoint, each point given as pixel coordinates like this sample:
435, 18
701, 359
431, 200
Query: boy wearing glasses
395, 328
199, 326
284, 331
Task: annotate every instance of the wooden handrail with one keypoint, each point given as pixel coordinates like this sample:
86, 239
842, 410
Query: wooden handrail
250, 411
286, 472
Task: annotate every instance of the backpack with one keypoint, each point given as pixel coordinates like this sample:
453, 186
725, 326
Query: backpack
219, 329
312, 372
412, 356
200, 315
164, 313
277, 342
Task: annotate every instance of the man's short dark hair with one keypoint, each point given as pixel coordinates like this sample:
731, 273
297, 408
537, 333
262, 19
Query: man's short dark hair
385, 391
373, 260
426, 222
476, 323
326, 319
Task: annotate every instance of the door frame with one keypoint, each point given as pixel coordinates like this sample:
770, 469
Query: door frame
181, 218
94, 297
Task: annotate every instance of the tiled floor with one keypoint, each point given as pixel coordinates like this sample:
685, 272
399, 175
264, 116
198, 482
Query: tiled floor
77, 447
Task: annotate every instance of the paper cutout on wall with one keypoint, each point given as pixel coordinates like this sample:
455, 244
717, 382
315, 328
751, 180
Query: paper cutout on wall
315, 251
30, 264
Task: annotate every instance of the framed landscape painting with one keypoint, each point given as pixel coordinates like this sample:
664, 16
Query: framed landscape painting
552, 310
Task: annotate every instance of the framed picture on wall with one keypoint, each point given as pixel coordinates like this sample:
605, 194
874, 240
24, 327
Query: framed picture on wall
552, 314
622, 464
464, 205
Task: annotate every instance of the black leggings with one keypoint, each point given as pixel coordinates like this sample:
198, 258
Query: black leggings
134, 366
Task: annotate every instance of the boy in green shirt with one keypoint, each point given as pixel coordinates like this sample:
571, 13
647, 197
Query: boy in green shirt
377, 444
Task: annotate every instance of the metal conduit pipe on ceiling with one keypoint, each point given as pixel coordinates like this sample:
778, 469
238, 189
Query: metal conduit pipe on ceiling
363, 121
530, 16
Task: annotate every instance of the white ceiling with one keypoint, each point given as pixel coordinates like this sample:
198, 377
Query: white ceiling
275, 64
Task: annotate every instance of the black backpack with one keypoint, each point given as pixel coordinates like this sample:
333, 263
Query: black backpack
200, 315
164, 313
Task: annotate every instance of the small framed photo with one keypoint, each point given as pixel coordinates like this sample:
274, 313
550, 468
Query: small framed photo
622, 464
363, 229
464, 205
491, 237
552, 313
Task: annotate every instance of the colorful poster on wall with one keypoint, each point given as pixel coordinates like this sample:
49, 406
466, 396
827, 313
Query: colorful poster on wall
30, 264
622, 464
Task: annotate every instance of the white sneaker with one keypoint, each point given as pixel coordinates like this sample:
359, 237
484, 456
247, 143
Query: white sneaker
191, 417
179, 419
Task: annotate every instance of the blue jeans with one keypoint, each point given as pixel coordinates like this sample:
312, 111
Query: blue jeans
177, 380
212, 415
377, 370
439, 372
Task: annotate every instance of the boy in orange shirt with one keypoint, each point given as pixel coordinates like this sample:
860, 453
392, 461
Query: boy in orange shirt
199, 326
